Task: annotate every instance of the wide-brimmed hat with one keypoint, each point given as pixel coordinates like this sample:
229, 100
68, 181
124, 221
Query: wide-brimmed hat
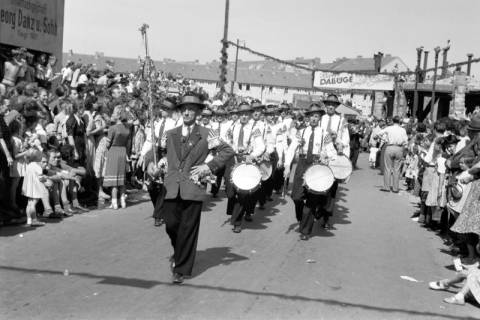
244, 107
271, 109
283, 106
207, 112
257, 104
220, 112
332, 99
191, 100
474, 124
315, 107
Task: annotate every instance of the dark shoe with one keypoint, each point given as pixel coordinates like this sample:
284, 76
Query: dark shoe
177, 278
248, 218
384, 190
303, 237
237, 229
158, 222
327, 226
261, 207
80, 208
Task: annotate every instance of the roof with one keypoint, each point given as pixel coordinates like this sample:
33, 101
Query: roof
262, 73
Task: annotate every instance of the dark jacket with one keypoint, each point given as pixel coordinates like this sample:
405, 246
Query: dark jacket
182, 156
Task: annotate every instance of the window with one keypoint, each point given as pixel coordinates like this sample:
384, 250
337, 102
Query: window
351, 95
365, 96
270, 89
285, 91
239, 86
248, 87
217, 85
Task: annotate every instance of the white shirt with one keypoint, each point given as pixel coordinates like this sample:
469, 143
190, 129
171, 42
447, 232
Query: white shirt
252, 140
394, 135
187, 130
321, 146
337, 125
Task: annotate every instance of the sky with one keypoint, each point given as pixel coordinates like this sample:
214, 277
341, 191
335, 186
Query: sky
187, 30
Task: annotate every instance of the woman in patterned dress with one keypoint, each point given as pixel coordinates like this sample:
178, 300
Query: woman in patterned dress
101, 120
468, 222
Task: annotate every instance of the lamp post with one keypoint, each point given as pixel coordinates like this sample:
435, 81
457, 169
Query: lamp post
469, 64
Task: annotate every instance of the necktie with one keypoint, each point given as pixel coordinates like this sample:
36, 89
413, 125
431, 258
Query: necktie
240, 137
310, 145
329, 125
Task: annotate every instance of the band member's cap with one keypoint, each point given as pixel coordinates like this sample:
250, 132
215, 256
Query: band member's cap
332, 99
315, 107
207, 112
244, 107
257, 104
191, 100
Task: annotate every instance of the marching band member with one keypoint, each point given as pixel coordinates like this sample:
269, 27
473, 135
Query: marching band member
187, 149
269, 137
337, 128
313, 145
248, 145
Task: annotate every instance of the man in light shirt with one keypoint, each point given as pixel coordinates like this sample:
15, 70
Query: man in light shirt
396, 139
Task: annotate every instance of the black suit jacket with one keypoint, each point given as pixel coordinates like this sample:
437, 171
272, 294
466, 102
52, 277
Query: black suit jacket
182, 156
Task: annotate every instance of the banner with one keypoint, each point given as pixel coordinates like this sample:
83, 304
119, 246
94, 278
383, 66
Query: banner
352, 81
33, 24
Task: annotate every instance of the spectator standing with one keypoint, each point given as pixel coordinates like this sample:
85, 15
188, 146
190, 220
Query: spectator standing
116, 160
396, 139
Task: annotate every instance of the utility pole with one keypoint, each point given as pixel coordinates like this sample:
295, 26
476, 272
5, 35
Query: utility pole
236, 68
469, 65
224, 58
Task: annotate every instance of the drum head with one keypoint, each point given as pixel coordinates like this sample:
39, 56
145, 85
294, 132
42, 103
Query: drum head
341, 167
246, 177
318, 178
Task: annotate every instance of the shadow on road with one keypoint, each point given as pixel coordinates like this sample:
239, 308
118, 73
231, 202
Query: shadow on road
148, 284
212, 257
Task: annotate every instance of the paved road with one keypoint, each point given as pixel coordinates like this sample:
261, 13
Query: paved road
117, 265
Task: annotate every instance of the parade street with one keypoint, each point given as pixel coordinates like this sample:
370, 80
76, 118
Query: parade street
108, 264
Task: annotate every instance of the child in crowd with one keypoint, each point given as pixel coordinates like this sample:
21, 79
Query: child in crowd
17, 169
33, 187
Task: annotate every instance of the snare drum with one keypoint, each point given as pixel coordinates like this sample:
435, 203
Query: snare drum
341, 167
318, 179
246, 178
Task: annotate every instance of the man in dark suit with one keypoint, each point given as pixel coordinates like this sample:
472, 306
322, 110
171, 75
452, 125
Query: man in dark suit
187, 149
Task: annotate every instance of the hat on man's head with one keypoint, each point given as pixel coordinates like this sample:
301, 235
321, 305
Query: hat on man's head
271, 110
191, 99
220, 112
244, 107
332, 99
315, 108
257, 105
283, 106
474, 124
207, 112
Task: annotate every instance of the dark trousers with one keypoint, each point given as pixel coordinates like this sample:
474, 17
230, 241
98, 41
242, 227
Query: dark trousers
218, 182
278, 179
354, 156
244, 204
182, 220
265, 191
157, 194
315, 209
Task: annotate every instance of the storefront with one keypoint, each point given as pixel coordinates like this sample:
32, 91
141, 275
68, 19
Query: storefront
36, 25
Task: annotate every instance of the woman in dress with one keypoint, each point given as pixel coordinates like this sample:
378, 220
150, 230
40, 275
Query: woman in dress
17, 169
101, 119
468, 222
116, 162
